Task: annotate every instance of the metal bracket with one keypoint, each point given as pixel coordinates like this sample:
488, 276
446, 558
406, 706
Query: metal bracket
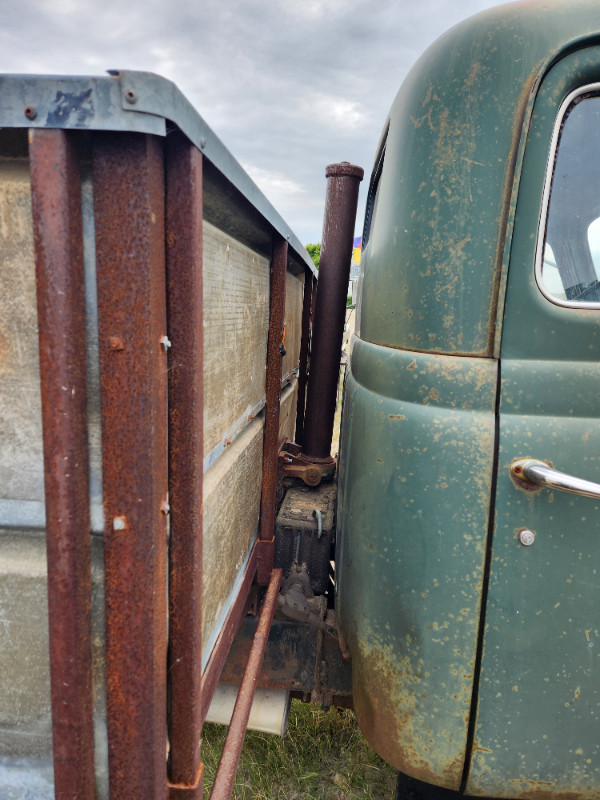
298, 602
294, 464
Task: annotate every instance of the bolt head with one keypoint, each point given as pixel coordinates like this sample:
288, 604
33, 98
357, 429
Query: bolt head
527, 538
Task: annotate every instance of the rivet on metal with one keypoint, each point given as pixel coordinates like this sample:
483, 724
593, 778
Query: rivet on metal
166, 343
30, 112
119, 523
527, 537
202, 143
165, 507
131, 96
116, 343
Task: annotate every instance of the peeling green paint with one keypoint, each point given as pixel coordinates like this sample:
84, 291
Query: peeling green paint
447, 287
416, 472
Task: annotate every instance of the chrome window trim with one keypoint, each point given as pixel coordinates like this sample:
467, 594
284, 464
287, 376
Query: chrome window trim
590, 89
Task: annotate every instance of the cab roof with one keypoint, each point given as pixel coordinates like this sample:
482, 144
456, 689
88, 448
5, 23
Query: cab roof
447, 172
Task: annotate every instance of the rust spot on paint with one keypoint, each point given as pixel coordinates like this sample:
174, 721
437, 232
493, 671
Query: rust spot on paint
386, 702
523, 483
473, 74
542, 790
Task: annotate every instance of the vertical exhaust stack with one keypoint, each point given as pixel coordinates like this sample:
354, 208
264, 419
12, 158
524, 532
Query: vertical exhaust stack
330, 309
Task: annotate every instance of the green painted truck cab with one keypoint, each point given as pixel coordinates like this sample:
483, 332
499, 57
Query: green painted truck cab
465, 591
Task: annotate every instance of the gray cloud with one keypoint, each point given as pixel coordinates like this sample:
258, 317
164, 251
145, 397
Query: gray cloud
288, 86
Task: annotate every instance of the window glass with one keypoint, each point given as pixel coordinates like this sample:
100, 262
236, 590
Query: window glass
570, 268
373, 196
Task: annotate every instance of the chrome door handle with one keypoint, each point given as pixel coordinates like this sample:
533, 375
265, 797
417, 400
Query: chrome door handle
528, 469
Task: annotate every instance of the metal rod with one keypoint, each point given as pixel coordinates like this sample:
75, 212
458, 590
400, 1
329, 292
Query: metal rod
307, 307
332, 289
57, 225
218, 657
128, 174
230, 757
273, 398
186, 452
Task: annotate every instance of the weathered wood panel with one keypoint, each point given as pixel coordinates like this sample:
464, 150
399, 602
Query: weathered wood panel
294, 294
236, 319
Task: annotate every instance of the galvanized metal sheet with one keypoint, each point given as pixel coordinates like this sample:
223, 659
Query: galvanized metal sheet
21, 460
232, 493
92, 103
25, 714
136, 102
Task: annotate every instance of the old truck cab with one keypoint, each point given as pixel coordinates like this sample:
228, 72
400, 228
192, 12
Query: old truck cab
158, 392
469, 476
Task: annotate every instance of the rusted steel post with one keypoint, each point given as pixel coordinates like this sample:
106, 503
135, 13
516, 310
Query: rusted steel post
128, 176
186, 452
307, 306
56, 206
332, 289
230, 757
218, 657
273, 399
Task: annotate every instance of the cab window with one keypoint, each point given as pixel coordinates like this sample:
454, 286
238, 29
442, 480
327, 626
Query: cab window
568, 271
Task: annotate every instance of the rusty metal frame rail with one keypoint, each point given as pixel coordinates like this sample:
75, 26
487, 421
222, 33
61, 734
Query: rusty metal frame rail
228, 765
128, 172
213, 670
186, 404
57, 224
272, 409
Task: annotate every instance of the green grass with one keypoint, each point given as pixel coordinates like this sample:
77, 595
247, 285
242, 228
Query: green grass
323, 756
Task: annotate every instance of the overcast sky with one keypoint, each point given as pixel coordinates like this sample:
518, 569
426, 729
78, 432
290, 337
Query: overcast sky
288, 85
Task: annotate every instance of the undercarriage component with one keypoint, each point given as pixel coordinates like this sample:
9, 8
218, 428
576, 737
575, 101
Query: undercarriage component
297, 658
304, 533
298, 601
294, 464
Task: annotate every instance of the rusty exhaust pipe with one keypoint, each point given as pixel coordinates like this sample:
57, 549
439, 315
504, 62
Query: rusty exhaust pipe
330, 308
